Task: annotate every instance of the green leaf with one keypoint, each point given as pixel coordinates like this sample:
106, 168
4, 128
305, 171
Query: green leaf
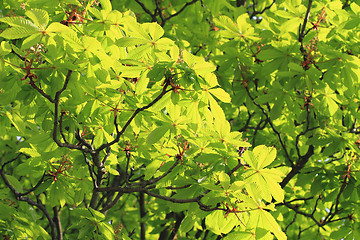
188, 223
56, 27
224, 180
18, 32
5, 48
42, 188
16, 121
31, 41
30, 151
15, 183
227, 23
155, 30
152, 168
219, 223
142, 83
221, 94
98, 215
128, 41
18, 22
106, 5
39, 17
216, 110
240, 236
203, 68
157, 134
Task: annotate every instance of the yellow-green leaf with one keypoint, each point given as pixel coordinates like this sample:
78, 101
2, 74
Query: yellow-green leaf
220, 94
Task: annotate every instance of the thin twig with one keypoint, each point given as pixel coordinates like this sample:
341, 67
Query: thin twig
56, 118
182, 9
155, 180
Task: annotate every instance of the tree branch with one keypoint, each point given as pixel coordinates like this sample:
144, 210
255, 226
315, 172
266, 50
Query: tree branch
254, 13
155, 180
56, 118
142, 215
57, 221
302, 33
153, 16
298, 166
137, 111
48, 97
178, 12
272, 127
19, 197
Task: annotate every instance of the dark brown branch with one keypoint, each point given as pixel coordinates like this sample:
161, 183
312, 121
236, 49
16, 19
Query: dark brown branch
346, 4
56, 118
292, 222
58, 223
307, 129
272, 127
240, 3
298, 166
153, 16
247, 122
137, 111
303, 27
99, 177
178, 12
18, 197
179, 218
142, 215
254, 13
176, 200
158, 11
48, 97
175, 188
35, 187
299, 199
90, 170
127, 175
155, 180
112, 203
61, 128
311, 216
335, 205
108, 152
81, 139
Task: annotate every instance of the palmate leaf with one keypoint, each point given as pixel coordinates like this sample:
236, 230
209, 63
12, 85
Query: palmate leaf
262, 219
22, 27
267, 180
221, 224
136, 29
154, 30
260, 157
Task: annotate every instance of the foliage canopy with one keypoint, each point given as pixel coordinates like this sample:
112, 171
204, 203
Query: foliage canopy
179, 120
